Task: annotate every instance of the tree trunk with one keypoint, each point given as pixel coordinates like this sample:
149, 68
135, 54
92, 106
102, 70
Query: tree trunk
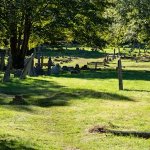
13, 43
18, 61
18, 55
27, 29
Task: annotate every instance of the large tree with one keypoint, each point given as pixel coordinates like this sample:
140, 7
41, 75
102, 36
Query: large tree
17, 18
21, 19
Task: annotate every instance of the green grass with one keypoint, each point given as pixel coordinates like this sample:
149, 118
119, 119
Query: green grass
61, 109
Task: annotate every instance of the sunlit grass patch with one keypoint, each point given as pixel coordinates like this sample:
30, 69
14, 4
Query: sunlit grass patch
61, 110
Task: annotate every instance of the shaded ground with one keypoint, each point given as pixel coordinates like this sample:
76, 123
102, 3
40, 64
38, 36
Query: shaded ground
111, 74
47, 93
6, 144
75, 53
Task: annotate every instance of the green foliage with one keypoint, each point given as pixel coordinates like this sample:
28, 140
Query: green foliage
79, 20
87, 21
136, 15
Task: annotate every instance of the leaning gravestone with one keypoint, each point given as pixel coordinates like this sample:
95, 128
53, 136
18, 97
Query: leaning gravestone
56, 69
27, 67
32, 71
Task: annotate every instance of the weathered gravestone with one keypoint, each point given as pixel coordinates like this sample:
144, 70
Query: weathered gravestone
28, 66
119, 68
50, 64
65, 68
32, 71
56, 69
76, 70
6, 77
85, 67
77, 67
105, 61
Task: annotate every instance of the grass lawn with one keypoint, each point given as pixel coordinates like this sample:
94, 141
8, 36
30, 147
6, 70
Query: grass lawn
63, 108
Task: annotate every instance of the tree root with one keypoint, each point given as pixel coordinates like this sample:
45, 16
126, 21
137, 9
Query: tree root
98, 129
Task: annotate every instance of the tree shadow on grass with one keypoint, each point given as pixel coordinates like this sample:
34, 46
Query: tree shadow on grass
62, 98
102, 95
47, 94
9, 144
135, 90
76, 53
110, 74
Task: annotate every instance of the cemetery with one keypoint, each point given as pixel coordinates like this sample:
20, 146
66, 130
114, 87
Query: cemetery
94, 81
74, 75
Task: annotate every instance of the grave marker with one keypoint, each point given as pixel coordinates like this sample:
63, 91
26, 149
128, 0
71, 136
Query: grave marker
28, 66
6, 77
120, 74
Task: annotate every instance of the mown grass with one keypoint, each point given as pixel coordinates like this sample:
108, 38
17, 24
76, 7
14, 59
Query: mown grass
61, 109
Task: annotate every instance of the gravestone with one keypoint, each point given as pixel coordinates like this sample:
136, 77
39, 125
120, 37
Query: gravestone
50, 64
107, 58
56, 69
120, 74
28, 66
32, 71
85, 67
77, 67
65, 68
6, 77
105, 62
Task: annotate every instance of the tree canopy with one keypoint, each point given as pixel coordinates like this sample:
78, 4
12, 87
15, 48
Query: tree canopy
89, 22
